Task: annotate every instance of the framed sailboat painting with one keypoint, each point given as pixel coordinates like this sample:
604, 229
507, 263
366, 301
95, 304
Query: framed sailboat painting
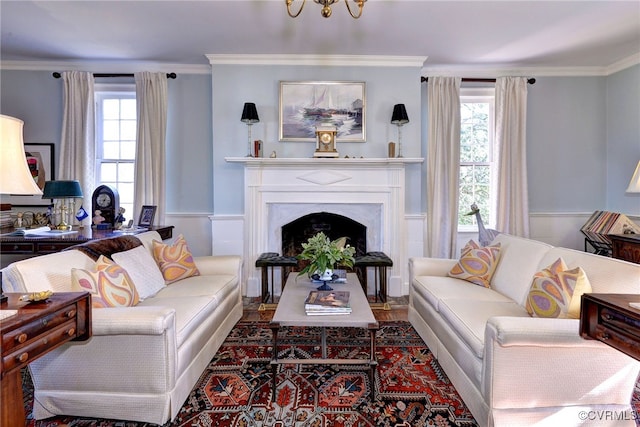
304, 106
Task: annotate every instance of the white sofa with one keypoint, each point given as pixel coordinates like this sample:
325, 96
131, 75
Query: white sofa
141, 362
515, 370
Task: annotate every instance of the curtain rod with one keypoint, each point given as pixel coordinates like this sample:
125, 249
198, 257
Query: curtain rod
531, 81
57, 75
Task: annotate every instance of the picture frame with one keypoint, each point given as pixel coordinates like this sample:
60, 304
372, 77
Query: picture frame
41, 160
147, 213
304, 105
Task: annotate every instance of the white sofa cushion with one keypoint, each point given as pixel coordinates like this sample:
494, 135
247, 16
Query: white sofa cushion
519, 261
468, 318
435, 288
191, 312
142, 269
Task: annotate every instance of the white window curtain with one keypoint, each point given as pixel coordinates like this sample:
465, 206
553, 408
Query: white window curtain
151, 101
443, 165
511, 119
77, 143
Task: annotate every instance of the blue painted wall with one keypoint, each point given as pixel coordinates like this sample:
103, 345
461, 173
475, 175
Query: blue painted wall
583, 132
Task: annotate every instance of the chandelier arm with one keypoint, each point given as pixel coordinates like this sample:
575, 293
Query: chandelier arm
360, 6
289, 8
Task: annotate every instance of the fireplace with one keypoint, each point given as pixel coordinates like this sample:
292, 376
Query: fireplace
332, 225
367, 195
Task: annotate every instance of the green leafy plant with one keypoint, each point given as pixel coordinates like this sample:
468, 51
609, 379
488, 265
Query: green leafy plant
323, 254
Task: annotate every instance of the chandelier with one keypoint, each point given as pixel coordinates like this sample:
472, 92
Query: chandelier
326, 7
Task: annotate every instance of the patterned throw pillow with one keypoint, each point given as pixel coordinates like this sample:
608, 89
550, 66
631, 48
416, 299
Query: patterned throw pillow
175, 261
477, 264
109, 284
556, 291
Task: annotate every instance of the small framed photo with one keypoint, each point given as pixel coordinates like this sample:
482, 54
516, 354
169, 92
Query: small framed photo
146, 216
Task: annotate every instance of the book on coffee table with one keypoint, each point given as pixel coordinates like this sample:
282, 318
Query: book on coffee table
327, 302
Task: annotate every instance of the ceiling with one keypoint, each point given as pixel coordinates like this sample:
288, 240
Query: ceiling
451, 34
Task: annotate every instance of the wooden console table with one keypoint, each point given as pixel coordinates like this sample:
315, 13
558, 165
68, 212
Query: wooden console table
38, 245
626, 247
36, 329
609, 318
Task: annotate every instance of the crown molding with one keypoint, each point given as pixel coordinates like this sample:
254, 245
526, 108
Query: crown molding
497, 71
624, 64
318, 60
105, 67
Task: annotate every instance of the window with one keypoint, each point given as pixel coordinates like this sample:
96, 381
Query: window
116, 140
476, 157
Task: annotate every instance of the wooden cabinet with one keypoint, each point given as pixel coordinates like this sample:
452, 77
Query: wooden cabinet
38, 245
626, 247
609, 318
33, 331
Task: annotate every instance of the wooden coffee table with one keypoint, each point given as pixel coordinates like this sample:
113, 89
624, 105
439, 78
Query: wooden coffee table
290, 312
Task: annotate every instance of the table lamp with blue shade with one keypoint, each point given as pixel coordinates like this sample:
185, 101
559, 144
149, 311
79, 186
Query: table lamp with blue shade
63, 192
15, 177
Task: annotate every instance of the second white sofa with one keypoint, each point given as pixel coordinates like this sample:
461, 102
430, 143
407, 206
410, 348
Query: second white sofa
512, 369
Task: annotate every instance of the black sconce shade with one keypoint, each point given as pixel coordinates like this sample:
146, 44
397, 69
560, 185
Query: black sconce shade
249, 113
399, 116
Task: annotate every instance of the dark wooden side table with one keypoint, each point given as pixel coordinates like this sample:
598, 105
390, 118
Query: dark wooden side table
37, 245
626, 247
33, 331
609, 318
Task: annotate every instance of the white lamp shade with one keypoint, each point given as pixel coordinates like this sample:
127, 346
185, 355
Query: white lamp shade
15, 177
634, 185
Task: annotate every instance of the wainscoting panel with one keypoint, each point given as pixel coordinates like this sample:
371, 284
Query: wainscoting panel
196, 229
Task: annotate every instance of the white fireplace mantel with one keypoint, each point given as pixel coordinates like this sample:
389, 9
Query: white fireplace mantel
368, 190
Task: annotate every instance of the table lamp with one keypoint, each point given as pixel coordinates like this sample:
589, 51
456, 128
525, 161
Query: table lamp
249, 116
15, 177
63, 192
399, 118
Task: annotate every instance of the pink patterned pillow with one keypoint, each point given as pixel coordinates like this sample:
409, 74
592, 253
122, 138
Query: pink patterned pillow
175, 261
477, 264
109, 284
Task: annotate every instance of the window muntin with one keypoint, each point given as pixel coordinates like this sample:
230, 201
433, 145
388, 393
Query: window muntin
116, 140
477, 159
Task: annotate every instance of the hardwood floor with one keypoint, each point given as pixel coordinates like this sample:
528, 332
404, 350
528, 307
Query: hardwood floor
395, 309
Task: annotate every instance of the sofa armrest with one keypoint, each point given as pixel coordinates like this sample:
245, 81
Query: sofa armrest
220, 264
536, 362
421, 266
132, 320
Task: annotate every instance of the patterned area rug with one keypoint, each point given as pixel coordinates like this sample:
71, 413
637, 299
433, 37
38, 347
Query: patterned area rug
235, 389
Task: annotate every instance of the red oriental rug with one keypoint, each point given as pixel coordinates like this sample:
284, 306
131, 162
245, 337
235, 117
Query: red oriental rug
235, 390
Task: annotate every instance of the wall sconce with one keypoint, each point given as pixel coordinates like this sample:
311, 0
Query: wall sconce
399, 118
65, 192
249, 116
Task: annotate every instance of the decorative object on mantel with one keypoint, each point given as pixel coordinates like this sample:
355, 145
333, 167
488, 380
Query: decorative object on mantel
399, 118
324, 255
326, 7
634, 184
249, 116
326, 142
15, 177
392, 150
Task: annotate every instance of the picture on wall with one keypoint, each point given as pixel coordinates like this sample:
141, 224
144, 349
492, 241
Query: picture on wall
307, 105
40, 159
